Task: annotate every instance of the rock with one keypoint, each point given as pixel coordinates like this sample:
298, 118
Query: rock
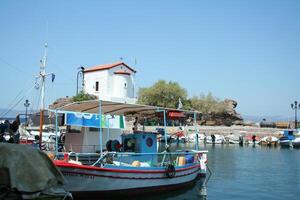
229, 116
60, 102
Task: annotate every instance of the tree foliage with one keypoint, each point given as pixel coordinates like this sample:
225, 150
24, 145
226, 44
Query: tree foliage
167, 94
162, 93
81, 96
208, 104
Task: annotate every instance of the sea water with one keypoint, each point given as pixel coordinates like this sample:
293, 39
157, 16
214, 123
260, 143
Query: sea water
247, 172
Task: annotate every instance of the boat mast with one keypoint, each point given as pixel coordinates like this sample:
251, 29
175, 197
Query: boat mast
42, 103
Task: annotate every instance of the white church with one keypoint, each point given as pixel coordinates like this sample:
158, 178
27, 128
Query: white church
111, 82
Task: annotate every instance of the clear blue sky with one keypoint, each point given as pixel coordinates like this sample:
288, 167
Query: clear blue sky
245, 50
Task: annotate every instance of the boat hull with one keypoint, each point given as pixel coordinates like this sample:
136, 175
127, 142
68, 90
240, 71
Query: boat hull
86, 179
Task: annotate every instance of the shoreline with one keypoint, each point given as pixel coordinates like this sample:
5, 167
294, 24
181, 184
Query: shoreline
220, 130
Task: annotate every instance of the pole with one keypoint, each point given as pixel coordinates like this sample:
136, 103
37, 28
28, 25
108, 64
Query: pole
165, 130
56, 132
26, 104
82, 72
42, 106
295, 107
100, 126
108, 128
77, 83
41, 128
26, 115
296, 117
196, 130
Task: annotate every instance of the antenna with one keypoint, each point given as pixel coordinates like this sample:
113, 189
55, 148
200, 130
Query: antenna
47, 30
135, 62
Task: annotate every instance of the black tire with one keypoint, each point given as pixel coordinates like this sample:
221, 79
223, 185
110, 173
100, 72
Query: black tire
108, 145
170, 171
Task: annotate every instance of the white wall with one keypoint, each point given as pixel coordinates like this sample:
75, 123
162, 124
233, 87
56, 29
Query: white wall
91, 139
90, 79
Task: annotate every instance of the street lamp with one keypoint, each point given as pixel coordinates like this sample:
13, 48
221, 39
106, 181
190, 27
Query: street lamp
295, 106
81, 70
26, 104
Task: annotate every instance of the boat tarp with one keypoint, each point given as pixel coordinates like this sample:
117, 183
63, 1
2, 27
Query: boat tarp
93, 120
31, 172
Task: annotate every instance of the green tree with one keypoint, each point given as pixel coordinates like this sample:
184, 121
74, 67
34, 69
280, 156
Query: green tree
162, 93
81, 96
208, 104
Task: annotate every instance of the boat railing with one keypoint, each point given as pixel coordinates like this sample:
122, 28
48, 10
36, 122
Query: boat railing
50, 146
127, 159
132, 159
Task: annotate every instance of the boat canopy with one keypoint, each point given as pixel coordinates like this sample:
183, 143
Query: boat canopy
114, 108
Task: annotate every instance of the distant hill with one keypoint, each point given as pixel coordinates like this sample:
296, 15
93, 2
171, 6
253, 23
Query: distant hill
268, 118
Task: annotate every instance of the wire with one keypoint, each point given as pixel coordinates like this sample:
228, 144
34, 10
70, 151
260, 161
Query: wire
12, 66
11, 103
12, 107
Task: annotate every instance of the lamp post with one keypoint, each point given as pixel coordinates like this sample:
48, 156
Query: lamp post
295, 106
26, 104
81, 70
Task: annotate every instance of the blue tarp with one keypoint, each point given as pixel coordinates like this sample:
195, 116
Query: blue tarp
93, 120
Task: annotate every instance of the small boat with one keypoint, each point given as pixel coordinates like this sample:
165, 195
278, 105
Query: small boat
296, 142
286, 139
252, 139
193, 137
219, 139
179, 137
269, 140
234, 139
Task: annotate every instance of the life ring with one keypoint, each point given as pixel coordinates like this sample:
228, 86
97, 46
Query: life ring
170, 171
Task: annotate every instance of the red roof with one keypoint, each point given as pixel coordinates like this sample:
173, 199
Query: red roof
108, 66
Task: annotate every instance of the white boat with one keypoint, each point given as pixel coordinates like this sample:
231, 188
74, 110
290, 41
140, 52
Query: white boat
296, 142
135, 166
219, 139
268, 140
233, 139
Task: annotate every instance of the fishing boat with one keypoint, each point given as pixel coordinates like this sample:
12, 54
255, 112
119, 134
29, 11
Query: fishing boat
132, 165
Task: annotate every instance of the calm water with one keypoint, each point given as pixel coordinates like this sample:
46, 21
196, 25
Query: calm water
246, 173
